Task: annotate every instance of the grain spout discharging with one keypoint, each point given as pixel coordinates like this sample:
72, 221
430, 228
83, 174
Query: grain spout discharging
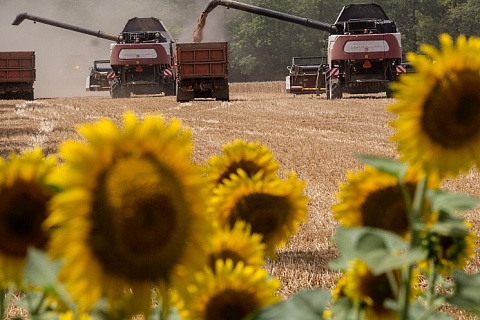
198, 32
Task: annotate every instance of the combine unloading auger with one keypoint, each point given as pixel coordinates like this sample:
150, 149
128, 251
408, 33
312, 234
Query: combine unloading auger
100, 34
315, 24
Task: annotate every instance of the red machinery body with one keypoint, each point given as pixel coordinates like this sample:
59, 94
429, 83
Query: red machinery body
362, 63
17, 75
142, 68
202, 70
365, 46
139, 54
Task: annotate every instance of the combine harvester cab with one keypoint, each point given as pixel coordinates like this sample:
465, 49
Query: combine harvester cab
141, 57
364, 46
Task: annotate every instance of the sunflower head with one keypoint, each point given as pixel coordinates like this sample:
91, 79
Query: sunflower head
131, 210
448, 252
274, 208
369, 291
238, 244
251, 157
229, 291
24, 205
373, 198
438, 124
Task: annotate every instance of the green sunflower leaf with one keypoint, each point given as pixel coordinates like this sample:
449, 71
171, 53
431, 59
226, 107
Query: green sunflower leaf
357, 242
466, 291
451, 202
42, 272
381, 250
380, 263
388, 165
453, 228
343, 309
418, 311
305, 305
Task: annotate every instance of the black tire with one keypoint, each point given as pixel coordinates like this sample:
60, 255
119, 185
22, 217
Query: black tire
184, 96
117, 91
334, 91
170, 88
389, 92
222, 95
28, 96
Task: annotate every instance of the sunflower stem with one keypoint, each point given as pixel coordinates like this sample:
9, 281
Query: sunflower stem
36, 310
432, 279
164, 305
2, 303
415, 216
430, 298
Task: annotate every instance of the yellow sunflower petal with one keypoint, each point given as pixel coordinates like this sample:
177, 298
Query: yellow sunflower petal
373, 198
251, 157
131, 213
438, 124
231, 291
24, 206
273, 207
370, 291
448, 253
237, 244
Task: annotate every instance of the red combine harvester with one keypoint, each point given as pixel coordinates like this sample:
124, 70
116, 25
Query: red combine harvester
364, 47
141, 57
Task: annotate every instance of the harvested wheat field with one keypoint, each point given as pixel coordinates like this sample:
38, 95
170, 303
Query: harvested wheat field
308, 134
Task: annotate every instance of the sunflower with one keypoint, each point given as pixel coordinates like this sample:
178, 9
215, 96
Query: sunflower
251, 157
273, 207
130, 211
24, 201
230, 291
449, 252
237, 244
369, 291
373, 198
438, 124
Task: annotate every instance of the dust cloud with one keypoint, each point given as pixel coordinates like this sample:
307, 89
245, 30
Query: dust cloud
63, 57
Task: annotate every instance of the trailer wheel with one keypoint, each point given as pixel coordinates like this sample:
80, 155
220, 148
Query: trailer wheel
184, 96
28, 96
222, 95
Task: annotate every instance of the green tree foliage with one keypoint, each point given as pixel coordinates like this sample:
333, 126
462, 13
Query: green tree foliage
261, 47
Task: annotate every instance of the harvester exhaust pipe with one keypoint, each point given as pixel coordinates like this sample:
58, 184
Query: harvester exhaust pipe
315, 24
100, 34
